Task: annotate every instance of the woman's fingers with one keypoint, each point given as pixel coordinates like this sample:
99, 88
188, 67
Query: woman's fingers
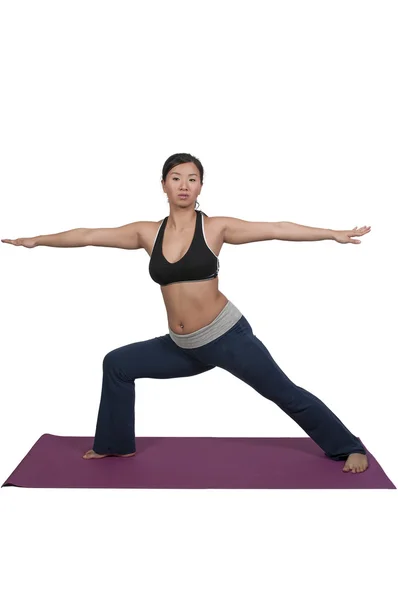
17, 242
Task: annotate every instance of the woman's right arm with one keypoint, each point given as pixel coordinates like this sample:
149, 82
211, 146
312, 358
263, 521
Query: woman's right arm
126, 236
73, 238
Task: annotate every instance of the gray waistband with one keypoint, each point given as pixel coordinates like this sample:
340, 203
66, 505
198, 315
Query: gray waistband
221, 324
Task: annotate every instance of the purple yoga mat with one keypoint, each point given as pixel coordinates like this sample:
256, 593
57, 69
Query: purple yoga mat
192, 463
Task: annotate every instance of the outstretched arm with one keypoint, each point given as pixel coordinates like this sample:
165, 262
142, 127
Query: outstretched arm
239, 231
301, 233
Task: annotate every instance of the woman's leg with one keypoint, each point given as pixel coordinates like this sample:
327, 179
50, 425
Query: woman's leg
241, 353
157, 358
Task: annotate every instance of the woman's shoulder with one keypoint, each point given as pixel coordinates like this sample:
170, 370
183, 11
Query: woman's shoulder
148, 231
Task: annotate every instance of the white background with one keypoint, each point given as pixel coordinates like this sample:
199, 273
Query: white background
291, 108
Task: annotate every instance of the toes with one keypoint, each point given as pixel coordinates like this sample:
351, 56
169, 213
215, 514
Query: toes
348, 468
354, 468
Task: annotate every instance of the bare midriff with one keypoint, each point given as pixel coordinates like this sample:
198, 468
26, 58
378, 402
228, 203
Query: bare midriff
190, 305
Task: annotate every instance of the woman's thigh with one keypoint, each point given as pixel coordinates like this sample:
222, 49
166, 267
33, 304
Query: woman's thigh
156, 358
241, 353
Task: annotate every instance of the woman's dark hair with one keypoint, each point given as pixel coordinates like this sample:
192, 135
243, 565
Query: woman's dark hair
179, 159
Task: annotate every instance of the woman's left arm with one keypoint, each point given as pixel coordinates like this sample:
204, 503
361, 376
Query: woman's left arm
301, 233
239, 231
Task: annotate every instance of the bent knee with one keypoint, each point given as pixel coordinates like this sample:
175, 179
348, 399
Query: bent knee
111, 360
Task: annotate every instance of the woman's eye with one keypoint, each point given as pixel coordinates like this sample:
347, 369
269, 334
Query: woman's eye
189, 180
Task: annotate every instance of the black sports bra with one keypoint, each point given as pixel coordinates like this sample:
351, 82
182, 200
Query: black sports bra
198, 263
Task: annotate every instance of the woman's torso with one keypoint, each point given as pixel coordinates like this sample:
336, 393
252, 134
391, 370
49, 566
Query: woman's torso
193, 304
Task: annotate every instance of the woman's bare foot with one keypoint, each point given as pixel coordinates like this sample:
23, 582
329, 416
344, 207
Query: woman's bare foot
92, 454
356, 463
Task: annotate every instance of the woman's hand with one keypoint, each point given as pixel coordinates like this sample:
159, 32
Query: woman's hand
344, 237
26, 242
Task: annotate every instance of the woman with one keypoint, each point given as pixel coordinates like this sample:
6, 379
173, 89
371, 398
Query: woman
205, 328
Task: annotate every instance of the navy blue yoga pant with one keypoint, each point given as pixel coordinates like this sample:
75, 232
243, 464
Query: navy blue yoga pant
239, 352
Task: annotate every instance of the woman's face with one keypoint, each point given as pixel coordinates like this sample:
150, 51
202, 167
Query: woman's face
183, 179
